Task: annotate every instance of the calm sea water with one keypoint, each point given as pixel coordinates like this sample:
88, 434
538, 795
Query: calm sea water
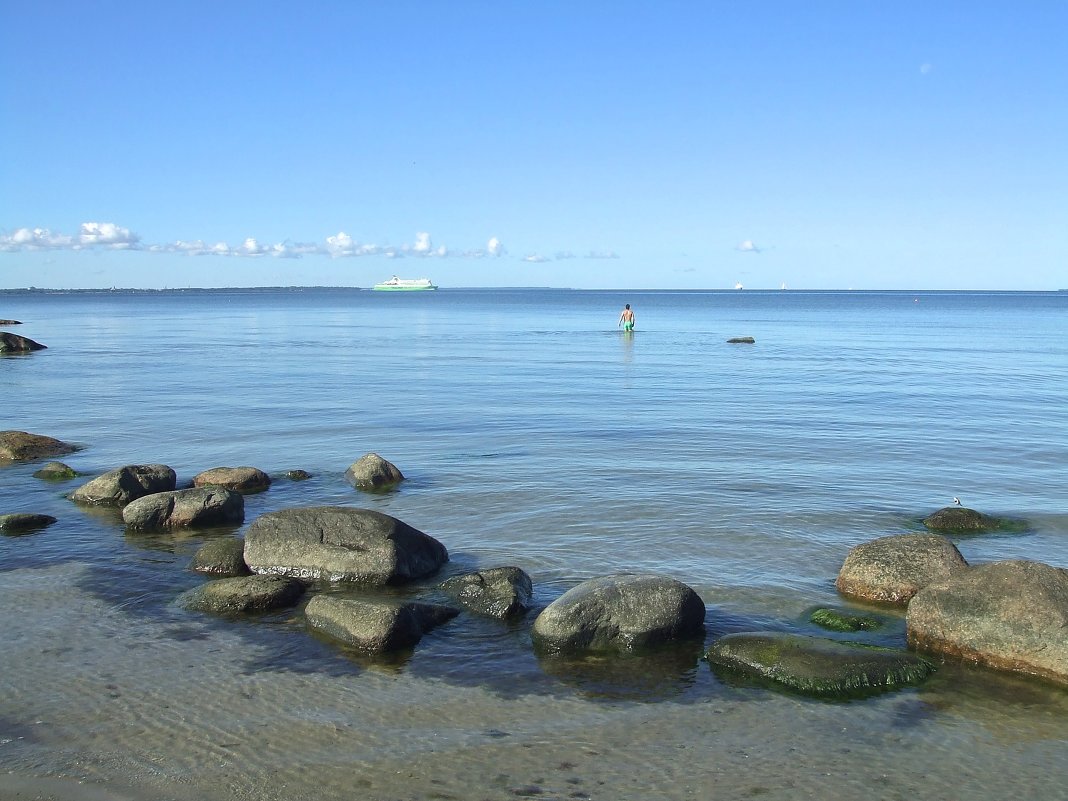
532, 433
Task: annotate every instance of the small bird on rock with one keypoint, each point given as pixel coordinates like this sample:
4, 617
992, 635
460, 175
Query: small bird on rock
956, 500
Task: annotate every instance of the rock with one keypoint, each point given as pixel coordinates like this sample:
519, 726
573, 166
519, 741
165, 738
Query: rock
960, 520
372, 472
741, 341
501, 592
842, 620
297, 475
56, 471
10, 322
818, 666
24, 523
245, 480
619, 613
339, 543
231, 596
13, 343
223, 557
375, 626
124, 484
1010, 615
202, 506
893, 569
18, 446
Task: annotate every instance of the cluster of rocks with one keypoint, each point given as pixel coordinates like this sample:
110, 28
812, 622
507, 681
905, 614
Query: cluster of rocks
1007, 615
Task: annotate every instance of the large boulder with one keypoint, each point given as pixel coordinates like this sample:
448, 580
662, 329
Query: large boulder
124, 484
372, 472
500, 592
619, 613
892, 569
56, 471
202, 506
19, 446
245, 480
222, 557
1010, 615
816, 665
960, 520
13, 343
232, 596
24, 523
339, 543
375, 626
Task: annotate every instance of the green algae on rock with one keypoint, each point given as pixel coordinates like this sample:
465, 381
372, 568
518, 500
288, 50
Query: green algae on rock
843, 620
818, 666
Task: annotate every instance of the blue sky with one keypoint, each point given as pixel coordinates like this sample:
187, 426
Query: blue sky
596, 145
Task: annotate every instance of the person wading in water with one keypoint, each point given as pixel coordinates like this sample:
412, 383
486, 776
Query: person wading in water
626, 319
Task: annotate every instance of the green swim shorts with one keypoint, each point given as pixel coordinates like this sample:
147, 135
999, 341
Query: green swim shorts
628, 325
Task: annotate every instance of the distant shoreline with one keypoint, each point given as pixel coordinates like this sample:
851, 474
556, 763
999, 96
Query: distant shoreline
320, 288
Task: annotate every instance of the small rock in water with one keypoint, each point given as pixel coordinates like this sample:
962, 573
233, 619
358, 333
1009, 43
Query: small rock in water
741, 341
24, 523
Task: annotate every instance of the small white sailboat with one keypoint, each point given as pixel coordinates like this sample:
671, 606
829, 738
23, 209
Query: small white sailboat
739, 285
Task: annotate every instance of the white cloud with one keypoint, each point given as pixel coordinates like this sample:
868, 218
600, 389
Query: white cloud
535, 258
926, 68
602, 254
107, 235
341, 244
564, 254
422, 245
748, 246
495, 247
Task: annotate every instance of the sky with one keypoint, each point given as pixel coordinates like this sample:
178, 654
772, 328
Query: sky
632, 145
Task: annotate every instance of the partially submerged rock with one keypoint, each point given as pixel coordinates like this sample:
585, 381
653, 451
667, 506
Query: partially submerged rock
340, 543
500, 592
375, 626
245, 480
201, 506
818, 666
297, 475
960, 520
125, 484
20, 446
56, 471
232, 596
10, 322
13, 343
741, 341
619, 613
892, 569
24, 523
223, 557
372, 472
834, 619
1010, 615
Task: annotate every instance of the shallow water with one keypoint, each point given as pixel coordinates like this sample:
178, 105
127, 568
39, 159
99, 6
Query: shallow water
532, 433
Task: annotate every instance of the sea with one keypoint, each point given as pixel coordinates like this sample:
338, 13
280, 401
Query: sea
532, 432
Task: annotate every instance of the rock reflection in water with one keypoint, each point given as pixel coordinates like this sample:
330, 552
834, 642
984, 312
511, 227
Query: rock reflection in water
651, 675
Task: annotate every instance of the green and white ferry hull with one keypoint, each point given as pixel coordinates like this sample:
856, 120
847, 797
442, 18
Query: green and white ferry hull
395, 284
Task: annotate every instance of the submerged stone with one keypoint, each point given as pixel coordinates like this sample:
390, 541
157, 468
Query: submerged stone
960, 520
232, 596
500, 592
375, 626
56, 471
842, 620
24, 523
223, 557
818, 666
20, 446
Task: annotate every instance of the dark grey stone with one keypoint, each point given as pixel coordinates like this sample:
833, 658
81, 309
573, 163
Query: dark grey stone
500, 592
232, 596
201, 506
124, 484
375, 626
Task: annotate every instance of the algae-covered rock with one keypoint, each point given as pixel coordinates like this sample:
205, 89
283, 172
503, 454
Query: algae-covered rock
13, 343
246, 480
1010, 615
375, 626
56, 471
500, 592
340, 543
619, 613
20, 446
200, 506
372, 472
24, 523
960, 520
834, 619
297, 475
892, 569
232, 596
818, 666
223, 557
125, 484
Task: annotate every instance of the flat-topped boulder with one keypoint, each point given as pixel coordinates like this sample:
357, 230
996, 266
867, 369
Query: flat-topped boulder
222, 557
619, 613
373, 625
13, 343
200, 506
56, 471
24, 522
124, 484
499, 592
1010, 615
340, 543
817, 665
892, 569
245, 480
233, 596
372, 472
960, 520
20, 446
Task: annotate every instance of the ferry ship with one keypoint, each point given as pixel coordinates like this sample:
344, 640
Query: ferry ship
396, 284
